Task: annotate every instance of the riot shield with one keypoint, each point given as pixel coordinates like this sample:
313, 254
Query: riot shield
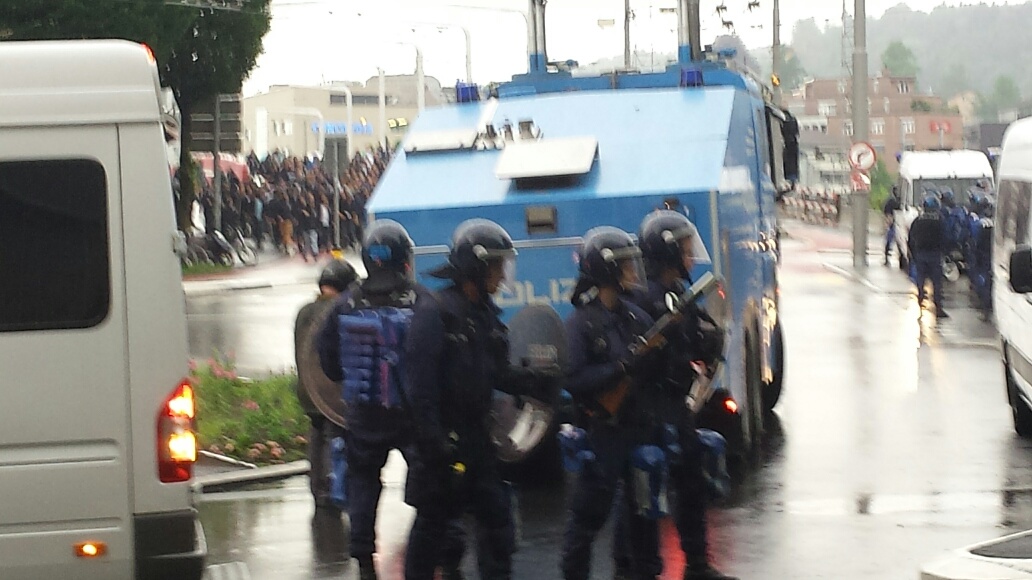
537, 339
325, 394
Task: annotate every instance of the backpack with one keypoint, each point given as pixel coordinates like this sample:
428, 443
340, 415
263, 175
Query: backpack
372, 343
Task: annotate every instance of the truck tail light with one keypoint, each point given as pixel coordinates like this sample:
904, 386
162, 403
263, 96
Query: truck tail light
177, 442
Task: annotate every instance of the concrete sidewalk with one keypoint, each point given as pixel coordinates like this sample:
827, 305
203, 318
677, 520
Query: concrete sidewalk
272, 270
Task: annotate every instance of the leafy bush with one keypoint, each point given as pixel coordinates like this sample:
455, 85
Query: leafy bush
257, 421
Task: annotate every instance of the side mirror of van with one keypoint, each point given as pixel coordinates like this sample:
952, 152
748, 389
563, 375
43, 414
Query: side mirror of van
1021, 270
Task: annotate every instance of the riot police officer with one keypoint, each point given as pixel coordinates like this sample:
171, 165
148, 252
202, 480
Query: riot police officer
926, 244
376, 418
600, 331
671, 247
335, 279
457, 354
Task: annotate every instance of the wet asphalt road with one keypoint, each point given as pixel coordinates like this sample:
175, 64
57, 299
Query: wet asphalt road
892, 443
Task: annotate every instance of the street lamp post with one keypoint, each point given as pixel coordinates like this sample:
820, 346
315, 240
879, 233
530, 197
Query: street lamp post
860, 122
526, 21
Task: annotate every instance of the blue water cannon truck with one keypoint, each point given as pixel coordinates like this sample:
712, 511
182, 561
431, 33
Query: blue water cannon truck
552, 154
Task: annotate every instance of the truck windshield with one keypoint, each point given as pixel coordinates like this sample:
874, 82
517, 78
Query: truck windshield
959, 186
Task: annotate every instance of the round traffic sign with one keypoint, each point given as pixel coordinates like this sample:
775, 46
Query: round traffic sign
862, 156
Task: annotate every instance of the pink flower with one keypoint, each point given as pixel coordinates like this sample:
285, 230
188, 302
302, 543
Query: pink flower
192, 365
253, 453
260, 447
251, 406
230, 448
277, 452
231, 375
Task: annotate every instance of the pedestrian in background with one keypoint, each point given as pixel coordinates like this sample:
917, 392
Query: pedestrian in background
336, 278
926, 244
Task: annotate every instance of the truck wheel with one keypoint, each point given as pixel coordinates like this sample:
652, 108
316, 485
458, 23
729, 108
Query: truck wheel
752, 422
772, 390
1019, 410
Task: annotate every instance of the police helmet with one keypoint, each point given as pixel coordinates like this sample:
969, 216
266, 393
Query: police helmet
602, 256
475, 243
388, 254
931, 203
666, 239
338, 275
948, 197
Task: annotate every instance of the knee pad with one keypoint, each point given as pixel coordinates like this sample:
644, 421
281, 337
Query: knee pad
650, 474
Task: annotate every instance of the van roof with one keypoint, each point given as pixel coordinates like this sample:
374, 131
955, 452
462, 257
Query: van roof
655, 141
932, 164
77, 82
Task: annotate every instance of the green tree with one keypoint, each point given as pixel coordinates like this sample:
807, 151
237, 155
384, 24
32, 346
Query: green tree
211, 57
955, 81
920, 106
791, 69
151, 22
881, 185
900, 60
1006, 93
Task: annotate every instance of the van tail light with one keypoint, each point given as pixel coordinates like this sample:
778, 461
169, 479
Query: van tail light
177, 441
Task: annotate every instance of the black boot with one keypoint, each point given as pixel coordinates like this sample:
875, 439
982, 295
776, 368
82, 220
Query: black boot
366, 569
705, 572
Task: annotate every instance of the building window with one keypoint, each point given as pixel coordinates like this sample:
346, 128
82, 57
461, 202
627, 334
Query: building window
847, 128
276, 128
356, 100
288, 127
842, 87
826, 108
878, 127
876, 85
903, 87
887, 105
909, 127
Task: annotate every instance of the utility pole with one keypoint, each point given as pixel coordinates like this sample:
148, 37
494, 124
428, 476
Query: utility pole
215, 164
860, 125
776, 53
627, 35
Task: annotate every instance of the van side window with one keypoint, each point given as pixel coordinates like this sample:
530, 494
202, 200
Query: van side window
1012, 214
55, 270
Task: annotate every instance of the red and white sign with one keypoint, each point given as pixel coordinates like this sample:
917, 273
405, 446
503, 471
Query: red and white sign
860, 181
945, 126
862, 156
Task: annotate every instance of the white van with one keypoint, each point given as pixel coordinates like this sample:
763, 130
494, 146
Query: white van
96, 419
1012, 270
920, 171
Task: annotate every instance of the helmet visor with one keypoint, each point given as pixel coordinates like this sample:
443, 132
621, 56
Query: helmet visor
632, 268
501, 272
693, 250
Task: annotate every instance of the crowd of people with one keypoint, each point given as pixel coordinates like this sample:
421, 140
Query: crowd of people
287, 202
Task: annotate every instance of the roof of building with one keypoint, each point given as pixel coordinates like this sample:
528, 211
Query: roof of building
72, 82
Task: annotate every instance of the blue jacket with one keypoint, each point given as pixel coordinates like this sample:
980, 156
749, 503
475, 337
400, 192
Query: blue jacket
599, 339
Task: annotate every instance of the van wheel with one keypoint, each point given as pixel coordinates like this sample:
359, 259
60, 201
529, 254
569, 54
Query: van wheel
1019, 410
772, 390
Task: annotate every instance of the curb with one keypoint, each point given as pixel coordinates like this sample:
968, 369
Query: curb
230, 480
205, 287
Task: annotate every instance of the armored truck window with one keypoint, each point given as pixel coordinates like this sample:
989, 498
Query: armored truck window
54, 266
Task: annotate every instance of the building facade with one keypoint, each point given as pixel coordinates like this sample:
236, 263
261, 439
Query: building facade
290, 118
900, 117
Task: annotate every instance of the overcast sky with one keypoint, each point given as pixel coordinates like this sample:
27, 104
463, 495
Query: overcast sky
315, 41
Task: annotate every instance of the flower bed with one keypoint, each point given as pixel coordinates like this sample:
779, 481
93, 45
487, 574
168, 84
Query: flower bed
258, 421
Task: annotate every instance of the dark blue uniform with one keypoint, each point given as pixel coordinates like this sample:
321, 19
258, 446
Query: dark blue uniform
689, 484
457, 354
926, 244
598, 340
372, 430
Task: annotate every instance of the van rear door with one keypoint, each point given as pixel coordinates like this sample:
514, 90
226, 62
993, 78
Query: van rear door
64, 449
